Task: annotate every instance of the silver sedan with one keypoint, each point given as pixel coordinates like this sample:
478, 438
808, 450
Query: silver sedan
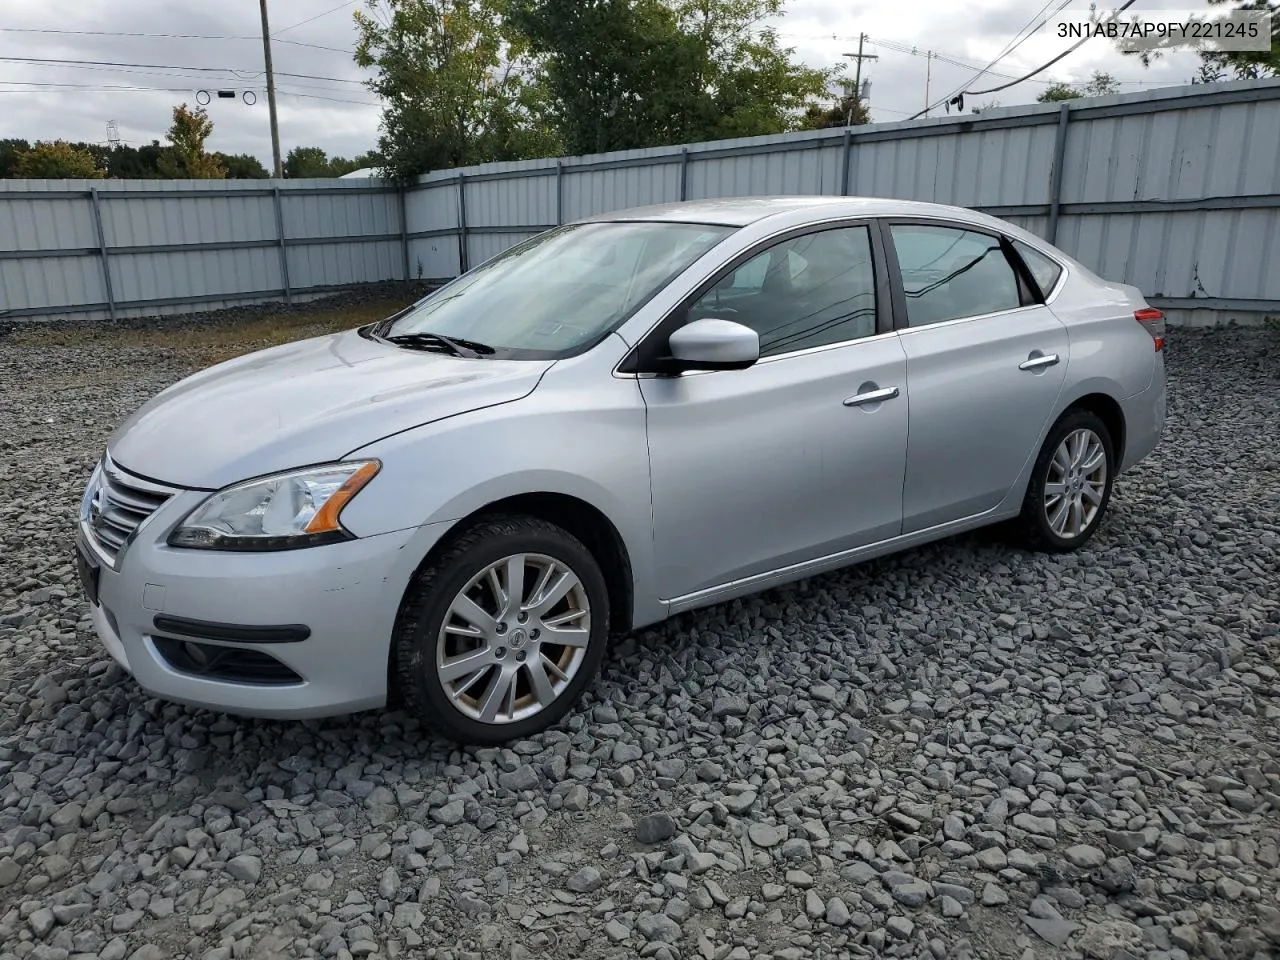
613, 422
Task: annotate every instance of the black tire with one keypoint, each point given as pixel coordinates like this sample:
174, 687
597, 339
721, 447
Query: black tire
426, 604
1033, 524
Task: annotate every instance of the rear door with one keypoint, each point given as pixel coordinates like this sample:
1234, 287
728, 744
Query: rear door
985, 364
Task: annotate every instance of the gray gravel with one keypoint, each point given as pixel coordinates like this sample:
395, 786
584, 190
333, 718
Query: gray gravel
962, 751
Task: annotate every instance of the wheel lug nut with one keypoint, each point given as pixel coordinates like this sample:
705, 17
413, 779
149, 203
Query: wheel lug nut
522, 617
500, 652
534, 633
520, 657
502, 628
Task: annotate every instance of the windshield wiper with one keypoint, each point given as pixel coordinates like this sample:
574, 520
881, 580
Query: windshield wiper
454, 346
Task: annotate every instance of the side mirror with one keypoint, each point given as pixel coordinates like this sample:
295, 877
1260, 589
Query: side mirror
714, 345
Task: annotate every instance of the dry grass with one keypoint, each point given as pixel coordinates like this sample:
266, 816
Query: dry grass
210, 343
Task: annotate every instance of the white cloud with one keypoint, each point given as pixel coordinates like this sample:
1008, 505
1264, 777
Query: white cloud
973, 32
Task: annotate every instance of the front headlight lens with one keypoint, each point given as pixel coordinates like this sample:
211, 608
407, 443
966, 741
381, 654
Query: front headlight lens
282, 512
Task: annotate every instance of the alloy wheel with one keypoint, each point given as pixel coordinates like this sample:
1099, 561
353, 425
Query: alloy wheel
1076, 483
513, 638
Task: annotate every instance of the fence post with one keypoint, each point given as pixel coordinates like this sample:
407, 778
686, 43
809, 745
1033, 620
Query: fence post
403, 194
102, 252
1055, 177
462, 223
559, 193
684, 173
845, 158
284, 253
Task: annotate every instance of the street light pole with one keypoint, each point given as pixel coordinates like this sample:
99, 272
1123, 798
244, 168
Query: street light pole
271, 93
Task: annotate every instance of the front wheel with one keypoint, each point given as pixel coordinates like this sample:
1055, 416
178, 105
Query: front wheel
1070, 484
499, 635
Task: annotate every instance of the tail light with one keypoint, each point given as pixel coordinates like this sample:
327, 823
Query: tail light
1153, 320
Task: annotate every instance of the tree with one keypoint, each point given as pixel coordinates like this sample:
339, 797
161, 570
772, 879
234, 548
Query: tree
1099, 85
9, 150
845, 112
185, 157
340, 166
307, 162
1245, 64
624, 74
129, 162
57, 160
456, 81
242, 166
1234, 64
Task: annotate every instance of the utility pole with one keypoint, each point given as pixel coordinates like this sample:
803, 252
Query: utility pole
271, 93
857, 80
928, 75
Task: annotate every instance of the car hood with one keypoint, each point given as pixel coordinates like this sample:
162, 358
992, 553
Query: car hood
307, 402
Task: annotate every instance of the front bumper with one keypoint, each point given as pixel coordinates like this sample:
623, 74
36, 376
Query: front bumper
347, 594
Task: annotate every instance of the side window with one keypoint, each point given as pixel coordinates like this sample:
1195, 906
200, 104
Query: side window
808, 291
949, 273
1045, 271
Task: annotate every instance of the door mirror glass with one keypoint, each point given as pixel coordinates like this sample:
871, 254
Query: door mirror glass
710, 344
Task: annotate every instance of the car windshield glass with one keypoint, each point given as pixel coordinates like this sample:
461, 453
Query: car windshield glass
562, 290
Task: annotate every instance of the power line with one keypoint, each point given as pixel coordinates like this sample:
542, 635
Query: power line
1021, 37
975, 93
1046, 66
165, 36
316, 17
50, 61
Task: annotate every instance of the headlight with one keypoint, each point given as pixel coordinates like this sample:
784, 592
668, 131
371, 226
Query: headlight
281, 512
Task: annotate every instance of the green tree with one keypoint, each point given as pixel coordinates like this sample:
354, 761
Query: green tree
185, 157
1059, 91
456, 81
242, 166
341, 166
848, 111
307, 162
9, 151
57, 159
1235, 64
1244, 64
132, 163
1099, 85
635, 73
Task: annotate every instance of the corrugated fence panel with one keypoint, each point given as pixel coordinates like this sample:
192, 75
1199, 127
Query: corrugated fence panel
327, 264
432, 207
1176, 191
588, 192
529, 201
797, 171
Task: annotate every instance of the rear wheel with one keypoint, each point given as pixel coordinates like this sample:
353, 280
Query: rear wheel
1070, 485
500, 634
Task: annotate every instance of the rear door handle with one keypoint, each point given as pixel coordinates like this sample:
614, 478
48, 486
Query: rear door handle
1037, 363
871, 396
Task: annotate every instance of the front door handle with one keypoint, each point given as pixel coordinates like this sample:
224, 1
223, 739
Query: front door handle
871, 396
1039, 363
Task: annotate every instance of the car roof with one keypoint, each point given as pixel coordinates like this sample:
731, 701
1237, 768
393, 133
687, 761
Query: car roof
742, 211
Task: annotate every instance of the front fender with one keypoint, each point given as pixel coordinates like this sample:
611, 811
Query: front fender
549, 442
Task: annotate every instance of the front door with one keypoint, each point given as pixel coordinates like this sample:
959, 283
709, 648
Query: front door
984, 366
787, 461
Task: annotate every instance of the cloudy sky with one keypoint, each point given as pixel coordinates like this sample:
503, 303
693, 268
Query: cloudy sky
131, 61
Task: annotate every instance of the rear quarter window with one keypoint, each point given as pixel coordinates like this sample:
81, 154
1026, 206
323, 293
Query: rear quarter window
1045, 271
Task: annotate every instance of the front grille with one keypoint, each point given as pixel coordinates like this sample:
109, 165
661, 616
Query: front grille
117, 505
232, 664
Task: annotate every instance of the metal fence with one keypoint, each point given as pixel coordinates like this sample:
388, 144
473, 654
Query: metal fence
118, 248
1176, 191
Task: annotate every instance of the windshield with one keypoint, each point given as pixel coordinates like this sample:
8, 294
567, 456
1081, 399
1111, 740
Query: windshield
561, 291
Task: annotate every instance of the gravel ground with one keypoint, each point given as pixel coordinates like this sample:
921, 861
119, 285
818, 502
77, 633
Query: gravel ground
961, 751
